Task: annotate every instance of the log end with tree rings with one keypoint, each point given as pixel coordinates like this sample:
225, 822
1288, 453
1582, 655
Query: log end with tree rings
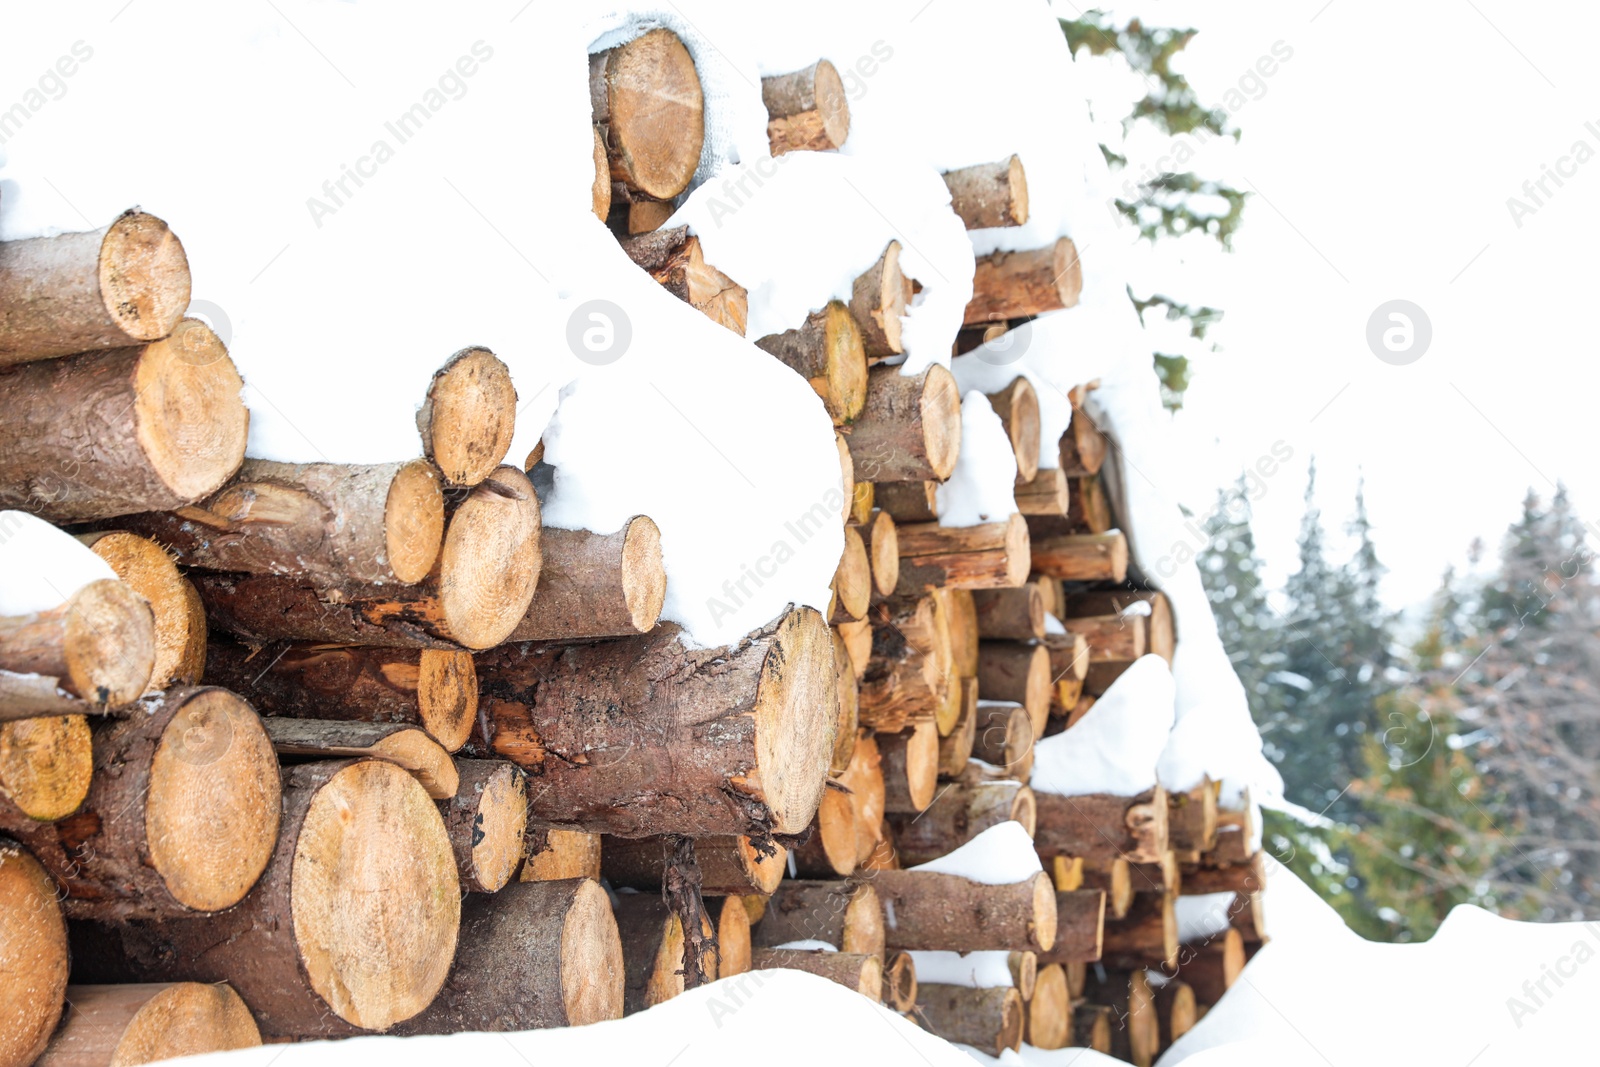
794, 718
900, 982
940, 405
447, 695
733, 936
806, 109
490, 562
123, 1025
46, 764
488, 820
212, 806
644, 574
591, 958
647, 99
100, 646
188, 416
1050, 1009
180, 621
990, 194
374, 898
144, 277
413, 520
467, 416
600, 193
33, 957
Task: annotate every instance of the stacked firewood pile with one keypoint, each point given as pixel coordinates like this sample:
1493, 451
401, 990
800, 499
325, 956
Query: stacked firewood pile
349, 749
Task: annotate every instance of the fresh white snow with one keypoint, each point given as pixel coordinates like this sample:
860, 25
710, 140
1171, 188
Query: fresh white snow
980, 488
41, 566
1001, 855
1115, 746
980, 970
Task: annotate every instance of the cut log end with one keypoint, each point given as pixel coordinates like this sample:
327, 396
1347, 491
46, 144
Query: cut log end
33, 957
806, 109
144, 277
600, 194
990, 194
180, 622
900, 982
447, 695
493, 803
794, 744
413, 520
590, 948
46, 765
1044, 911
489, 565
644, 575
1050, 1009
941, 420
109, 644
563, 854
468, 415
188, 417
647, 98
142, 1023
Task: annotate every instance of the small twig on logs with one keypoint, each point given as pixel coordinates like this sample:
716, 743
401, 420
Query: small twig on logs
680, 888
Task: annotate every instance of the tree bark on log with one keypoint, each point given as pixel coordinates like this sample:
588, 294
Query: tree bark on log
1247, 877
435, 689
907, 678
1247, 915
1018, 407
1014, 285
181, 815
557, 854
989, 194
1160, 635
534, 955
652, 951
853, 970
479, 590
1010, 614
1113, 877
827, 351
991, 1020
648, 105
487, 820
642, 735
677, 261
162, 425
1091, 1027
1100, 827
146, 1022
1135, 1032
1050, 1009
1083, 446
729, 865
1005, 739
910, 767
352, 960
847, 915
945, 911
123, 284
1080, 927
407, 747
913, 501
909, 430
1145, 937
642, 216
596, 585
328, 522
1082, 557
92, 654
962, 811
1088, 508
33, 957
807, 109
993, 555
878, 298
180, 621
467, 416
1175, 1011
1045, 495
1013, 671
46, 764
1211, 967
1192, 819
1119, 638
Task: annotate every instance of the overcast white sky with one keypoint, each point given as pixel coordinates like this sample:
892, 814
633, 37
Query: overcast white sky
1383, 153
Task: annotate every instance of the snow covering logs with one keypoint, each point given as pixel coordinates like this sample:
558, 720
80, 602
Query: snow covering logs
249, 691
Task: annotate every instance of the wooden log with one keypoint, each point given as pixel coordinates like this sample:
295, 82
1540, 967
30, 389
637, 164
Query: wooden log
946, 911
146, 1022
1080, 926
852, 581
900, 982
907, 678
1247, 915
123, 284
1014, 285
733, 933
652, 950
883, 551
857, 638
865, 782
1067, 872
467, 416
1211, 967
33, 957
1088, 508
1114, 877
331, 523
45, 767
1082, 557
1145, 937
1069, 660
1176, 1011
989, 194
827, 351
1018, 407
878, 299
1091, 1027
991, 1020
1045, 494
1160, 633
649, 108
180, 621
352, 960
1005, 738
534, 955
600, 190
1163, 877
436, 689
677, 261
961, 615
990, 556
910, 767
407, 747
1083, 446
557, 854
487, 820
180, 818
955, 748
644, 215
1013, 671
1247, 877
162, 423
882, 857
858, 971
910, 427
1101, 827
962, 811
1192, 819
644, 735
729, 866
1050, 1009
863, 495
1010, 614
597, 585
1109, 638
92, 654
807, 109
479, 590
844, 736
1135, 1032
914, 501
831, 848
